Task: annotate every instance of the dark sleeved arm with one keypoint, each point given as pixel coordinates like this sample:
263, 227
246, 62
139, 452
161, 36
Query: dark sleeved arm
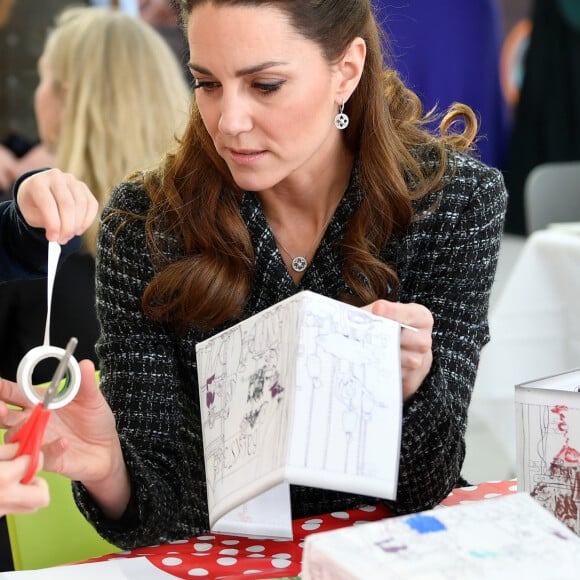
24, 249
451, 272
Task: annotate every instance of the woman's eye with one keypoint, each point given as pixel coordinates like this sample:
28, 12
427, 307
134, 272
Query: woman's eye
268, 87
262, 87
206, 86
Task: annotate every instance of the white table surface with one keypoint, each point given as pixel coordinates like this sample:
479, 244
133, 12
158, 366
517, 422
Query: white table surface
129, 569
535, 331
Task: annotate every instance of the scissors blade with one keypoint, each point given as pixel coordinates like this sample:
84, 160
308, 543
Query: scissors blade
59, 373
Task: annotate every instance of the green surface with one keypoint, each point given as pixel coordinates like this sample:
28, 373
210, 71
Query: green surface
57, 534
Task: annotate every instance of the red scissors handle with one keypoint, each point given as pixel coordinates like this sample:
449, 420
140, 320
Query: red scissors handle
30, 437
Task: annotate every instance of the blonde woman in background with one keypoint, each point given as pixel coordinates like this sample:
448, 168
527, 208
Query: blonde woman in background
118, 94
111, 100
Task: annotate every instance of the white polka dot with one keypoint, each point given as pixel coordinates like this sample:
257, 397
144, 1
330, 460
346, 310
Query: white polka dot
256, 548
229, 552
359, 522
201, 547
172, 561
256, 556
281, 563
252, 572
227, 561
198, 572
230, 542
490, 495
513, 487
282, 556
368, 508
313, 524
340, 515
205, 538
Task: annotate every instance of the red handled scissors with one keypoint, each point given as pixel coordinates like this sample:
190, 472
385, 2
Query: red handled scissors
31, 434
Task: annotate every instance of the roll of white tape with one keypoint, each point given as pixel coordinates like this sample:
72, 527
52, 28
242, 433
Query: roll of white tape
72, 380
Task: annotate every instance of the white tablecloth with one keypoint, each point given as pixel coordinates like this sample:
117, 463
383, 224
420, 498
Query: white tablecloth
535, 331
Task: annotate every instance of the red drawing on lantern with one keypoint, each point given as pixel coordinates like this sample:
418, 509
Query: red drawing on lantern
558, 488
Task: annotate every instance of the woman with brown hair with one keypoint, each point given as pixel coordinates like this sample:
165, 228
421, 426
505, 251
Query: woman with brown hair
305, 165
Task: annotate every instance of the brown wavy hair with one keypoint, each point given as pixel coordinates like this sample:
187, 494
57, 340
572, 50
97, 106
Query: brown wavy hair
195, 200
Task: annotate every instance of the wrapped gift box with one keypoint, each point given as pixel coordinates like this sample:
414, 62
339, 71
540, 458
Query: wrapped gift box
501, 538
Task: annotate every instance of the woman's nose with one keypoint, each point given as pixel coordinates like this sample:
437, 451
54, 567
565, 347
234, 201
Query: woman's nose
235, 116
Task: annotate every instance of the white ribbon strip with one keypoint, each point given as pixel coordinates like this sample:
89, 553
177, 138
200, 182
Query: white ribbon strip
34, 356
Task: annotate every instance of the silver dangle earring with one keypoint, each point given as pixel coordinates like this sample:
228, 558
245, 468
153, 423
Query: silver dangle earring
341, 120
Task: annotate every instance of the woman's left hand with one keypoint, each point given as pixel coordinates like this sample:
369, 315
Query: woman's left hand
416, 353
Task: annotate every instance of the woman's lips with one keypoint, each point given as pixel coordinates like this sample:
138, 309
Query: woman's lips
245, 156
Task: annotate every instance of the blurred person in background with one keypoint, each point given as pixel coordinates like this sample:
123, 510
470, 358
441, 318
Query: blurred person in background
111, 100
546, 126
21, 43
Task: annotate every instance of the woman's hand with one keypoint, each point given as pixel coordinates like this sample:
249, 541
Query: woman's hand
81, 440
57, 202
416, 353
15, 497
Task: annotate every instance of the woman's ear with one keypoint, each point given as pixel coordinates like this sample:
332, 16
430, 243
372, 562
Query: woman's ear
350, 68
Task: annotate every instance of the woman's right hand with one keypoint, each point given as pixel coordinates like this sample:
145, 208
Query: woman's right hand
81, 440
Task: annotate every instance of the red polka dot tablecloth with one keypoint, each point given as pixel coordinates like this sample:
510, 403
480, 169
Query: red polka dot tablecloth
223, 557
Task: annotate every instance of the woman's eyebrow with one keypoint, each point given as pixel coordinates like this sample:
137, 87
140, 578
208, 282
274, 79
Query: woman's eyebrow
242, 72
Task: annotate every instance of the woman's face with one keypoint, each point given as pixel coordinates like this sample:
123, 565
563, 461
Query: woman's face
266, 94
48, 106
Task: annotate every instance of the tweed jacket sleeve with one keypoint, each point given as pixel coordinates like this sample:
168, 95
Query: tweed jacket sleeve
447, 262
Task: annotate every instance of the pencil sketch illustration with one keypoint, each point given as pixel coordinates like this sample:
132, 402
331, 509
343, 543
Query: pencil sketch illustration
342, 392
309, 383
244, 406
552, 459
